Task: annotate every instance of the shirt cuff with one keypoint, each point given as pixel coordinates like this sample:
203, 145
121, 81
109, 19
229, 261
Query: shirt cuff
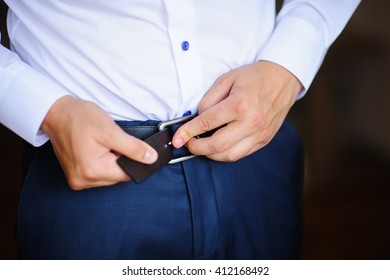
26, 97
297, 46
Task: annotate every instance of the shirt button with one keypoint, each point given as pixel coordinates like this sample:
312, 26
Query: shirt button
187, 113
185, 46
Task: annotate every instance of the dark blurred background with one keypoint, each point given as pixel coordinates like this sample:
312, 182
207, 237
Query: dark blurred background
344, 121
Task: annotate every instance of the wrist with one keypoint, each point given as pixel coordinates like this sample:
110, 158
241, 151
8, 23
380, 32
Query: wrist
56, 112
284, 75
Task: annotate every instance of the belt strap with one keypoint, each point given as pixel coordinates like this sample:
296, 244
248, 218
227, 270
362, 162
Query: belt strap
139, 131
139, 171
159, 137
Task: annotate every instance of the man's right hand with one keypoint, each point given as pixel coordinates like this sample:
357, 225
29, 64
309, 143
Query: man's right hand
88, 142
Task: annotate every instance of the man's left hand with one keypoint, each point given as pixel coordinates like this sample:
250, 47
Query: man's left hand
249, 103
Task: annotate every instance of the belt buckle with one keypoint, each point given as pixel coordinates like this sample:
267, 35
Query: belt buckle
166, 124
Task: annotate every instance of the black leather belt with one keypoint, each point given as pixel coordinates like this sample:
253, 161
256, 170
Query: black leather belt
159, 137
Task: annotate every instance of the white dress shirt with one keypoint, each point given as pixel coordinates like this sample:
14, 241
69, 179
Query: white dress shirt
142, 59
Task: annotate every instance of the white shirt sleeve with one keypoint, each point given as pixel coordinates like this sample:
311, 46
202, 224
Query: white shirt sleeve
25, 97
304, 31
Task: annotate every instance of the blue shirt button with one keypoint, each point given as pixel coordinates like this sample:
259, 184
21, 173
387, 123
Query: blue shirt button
187, 113
185, 46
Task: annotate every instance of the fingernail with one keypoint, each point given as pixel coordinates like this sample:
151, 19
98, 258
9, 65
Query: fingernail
150, 156
179, 142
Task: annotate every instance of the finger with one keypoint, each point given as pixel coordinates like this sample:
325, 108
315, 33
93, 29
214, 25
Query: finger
213, 118
110, 170
242, 149
217, 92
131, 147
98, 171
247, 145
222, 140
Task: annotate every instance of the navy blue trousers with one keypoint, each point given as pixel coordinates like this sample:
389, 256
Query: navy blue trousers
198, 209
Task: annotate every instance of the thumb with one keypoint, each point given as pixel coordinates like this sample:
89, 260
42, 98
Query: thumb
132, 147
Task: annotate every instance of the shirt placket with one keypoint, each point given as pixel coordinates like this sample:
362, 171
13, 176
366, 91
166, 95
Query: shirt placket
182, 31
